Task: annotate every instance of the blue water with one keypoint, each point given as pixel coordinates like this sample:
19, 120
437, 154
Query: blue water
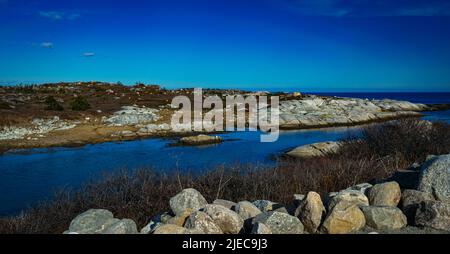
27, 177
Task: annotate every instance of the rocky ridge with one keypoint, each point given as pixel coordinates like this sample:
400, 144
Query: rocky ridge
314, 111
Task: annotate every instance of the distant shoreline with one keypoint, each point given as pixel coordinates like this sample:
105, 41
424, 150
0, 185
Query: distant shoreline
21, 104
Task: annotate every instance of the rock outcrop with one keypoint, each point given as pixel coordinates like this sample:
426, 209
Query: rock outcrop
314, 150
132, 115
38, 128
200, 140
314, 111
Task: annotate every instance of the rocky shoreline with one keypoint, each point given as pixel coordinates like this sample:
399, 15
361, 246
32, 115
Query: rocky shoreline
150, 117
385, 207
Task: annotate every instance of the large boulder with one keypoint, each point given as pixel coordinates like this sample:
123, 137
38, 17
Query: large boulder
410, 202
434, 214
384, 217
346, 197
314, 150
246, 210
228, 221
225, 203
385, 194
100, 221
280, 223
187, 199
200, 140
435, 177
344, 219
202, 222
310, 212
260, 229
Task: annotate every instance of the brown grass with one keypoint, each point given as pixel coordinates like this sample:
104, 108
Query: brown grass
145, 193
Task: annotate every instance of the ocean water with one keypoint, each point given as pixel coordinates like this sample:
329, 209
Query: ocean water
27, 177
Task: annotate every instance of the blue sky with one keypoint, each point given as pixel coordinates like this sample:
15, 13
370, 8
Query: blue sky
312, 45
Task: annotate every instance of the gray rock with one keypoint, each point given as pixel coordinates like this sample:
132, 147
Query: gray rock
124, 226
314, 150
343, 219
187, 199
435, 177
311, 111
280, 223
260, 229
202, 222
225, 203
131, 115
346, 197
246, 210
384, 217
93, 221
410, 202
310, 212
434, 214
100, 221
200, 140
228, 221
385, 194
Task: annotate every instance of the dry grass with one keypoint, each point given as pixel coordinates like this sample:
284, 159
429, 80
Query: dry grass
144, 193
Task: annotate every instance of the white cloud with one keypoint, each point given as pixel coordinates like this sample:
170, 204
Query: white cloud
48, 45
88, 54
58, 15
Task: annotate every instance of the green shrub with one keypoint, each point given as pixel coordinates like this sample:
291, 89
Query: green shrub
80, 104
52, 104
